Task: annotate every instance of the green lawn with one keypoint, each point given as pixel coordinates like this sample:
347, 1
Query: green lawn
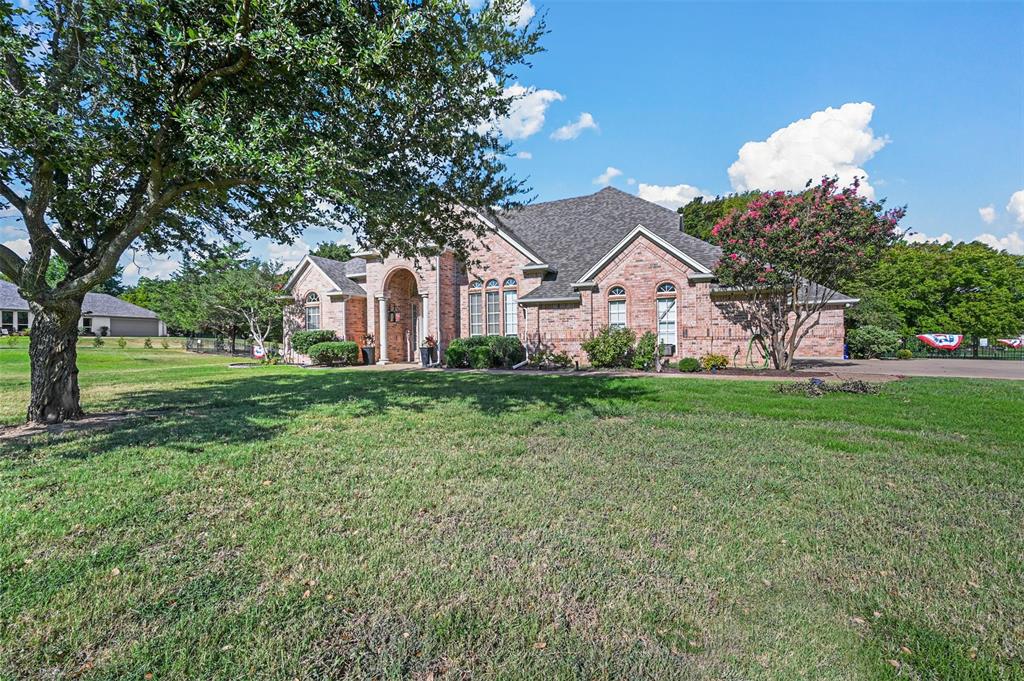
279, 522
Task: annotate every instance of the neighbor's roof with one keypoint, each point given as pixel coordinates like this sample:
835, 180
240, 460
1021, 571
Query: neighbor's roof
96, 304
572, 235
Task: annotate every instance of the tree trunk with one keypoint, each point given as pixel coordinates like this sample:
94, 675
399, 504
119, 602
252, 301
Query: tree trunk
53, 353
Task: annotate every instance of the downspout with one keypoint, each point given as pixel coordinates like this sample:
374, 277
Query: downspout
437, 305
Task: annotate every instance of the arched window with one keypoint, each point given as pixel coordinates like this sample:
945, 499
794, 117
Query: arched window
476, 320
617, 307
511, 299
667, 313
493, 309
312, 311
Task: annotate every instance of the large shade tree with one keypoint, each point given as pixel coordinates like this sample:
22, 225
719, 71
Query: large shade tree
166, 124
787, 255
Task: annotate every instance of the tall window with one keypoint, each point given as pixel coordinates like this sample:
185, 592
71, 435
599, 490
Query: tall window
667, 314
476, 323
312, 311
617, 307
511, 313
493, 309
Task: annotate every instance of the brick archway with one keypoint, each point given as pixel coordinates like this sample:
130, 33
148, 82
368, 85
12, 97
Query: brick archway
403, 315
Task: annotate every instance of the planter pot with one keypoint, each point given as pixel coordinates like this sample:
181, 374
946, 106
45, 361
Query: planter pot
428, 356
369, 354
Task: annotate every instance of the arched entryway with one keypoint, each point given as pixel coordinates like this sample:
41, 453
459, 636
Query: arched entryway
401, 314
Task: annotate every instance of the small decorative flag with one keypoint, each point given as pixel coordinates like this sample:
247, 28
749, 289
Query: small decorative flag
1015, 343
941, 341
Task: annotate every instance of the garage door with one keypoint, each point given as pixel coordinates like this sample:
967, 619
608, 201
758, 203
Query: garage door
134, 327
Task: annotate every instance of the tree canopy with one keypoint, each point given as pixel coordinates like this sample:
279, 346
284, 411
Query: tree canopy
173, 124
700, 216
332, 250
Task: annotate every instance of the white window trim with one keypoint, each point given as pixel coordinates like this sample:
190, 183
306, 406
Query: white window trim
479, 299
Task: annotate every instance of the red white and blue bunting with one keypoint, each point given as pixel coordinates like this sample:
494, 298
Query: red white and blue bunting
1015, 343
941, 341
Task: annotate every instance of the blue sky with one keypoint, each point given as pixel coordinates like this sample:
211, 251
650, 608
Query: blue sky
926, 99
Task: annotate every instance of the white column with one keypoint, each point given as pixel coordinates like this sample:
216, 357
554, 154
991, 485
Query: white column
425, 320
382, 315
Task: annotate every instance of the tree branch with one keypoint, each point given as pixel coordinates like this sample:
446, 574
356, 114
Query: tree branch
10, 263
12, 197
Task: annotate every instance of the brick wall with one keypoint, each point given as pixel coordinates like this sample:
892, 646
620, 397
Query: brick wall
346, 317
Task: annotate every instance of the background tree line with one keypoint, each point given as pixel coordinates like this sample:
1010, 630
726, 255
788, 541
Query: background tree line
966, 288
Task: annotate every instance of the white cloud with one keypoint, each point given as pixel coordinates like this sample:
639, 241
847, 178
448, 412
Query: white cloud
830, 142
671, 196
607, 176
988, 214
921, 238
571, 131
526, 116
1012, 242
1016, 206
19, 246
631, 181
149, 265
288, 255
525, 155
525, 13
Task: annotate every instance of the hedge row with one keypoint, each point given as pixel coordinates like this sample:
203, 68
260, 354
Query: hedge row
485, 352
335, 352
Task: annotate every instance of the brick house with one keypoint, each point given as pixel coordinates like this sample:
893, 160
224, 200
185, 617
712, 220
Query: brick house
552, 274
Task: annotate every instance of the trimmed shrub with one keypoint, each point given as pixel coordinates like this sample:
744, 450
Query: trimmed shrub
611, 347
122, 343
903, 353
872, 341
712, 361
689, 365
506, 351
480, 357
334, 352
302, 341
643, 355
546, 359
457, 354
148, 344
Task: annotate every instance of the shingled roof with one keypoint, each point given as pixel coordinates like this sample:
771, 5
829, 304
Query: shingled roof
95, 304
338, 272
572, 235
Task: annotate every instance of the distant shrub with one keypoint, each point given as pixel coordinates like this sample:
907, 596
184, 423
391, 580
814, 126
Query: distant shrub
712, 361
98, 342
334, 352
643, 354
165, 344
547, 359
611, 347
148, 344
122, 343
12, 340
903, 353
480, 357
872, 341
689, 365
302, 341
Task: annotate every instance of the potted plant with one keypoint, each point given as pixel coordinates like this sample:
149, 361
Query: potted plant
369, 349
428, 351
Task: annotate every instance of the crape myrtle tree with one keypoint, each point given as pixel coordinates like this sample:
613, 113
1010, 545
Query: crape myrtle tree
168, 124
786, 256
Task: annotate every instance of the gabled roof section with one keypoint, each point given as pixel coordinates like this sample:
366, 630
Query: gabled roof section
94, 304
641, 231
337, 273
573, 235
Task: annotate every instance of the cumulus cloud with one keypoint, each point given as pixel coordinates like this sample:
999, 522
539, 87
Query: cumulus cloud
571, 131
631, 181
288, 255
670, 196
523, 16
19, 246
1012, 242
607, 176
526, 116
1016, 206
922, 238
525, 155
830, 142
988, 214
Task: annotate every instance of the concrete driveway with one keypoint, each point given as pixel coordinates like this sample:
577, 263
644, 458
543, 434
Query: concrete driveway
961, 368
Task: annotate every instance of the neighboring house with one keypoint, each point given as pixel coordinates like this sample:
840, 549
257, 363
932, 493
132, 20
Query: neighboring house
101, 315
552, 274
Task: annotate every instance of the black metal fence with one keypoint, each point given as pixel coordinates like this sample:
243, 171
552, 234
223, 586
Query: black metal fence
970, 348
240, 347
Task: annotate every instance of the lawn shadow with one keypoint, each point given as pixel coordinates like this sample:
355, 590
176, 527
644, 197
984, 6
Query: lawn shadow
257, 407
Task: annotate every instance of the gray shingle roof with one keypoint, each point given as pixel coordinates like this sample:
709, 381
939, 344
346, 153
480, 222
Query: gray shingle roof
574, 234
97, 304
338, 272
